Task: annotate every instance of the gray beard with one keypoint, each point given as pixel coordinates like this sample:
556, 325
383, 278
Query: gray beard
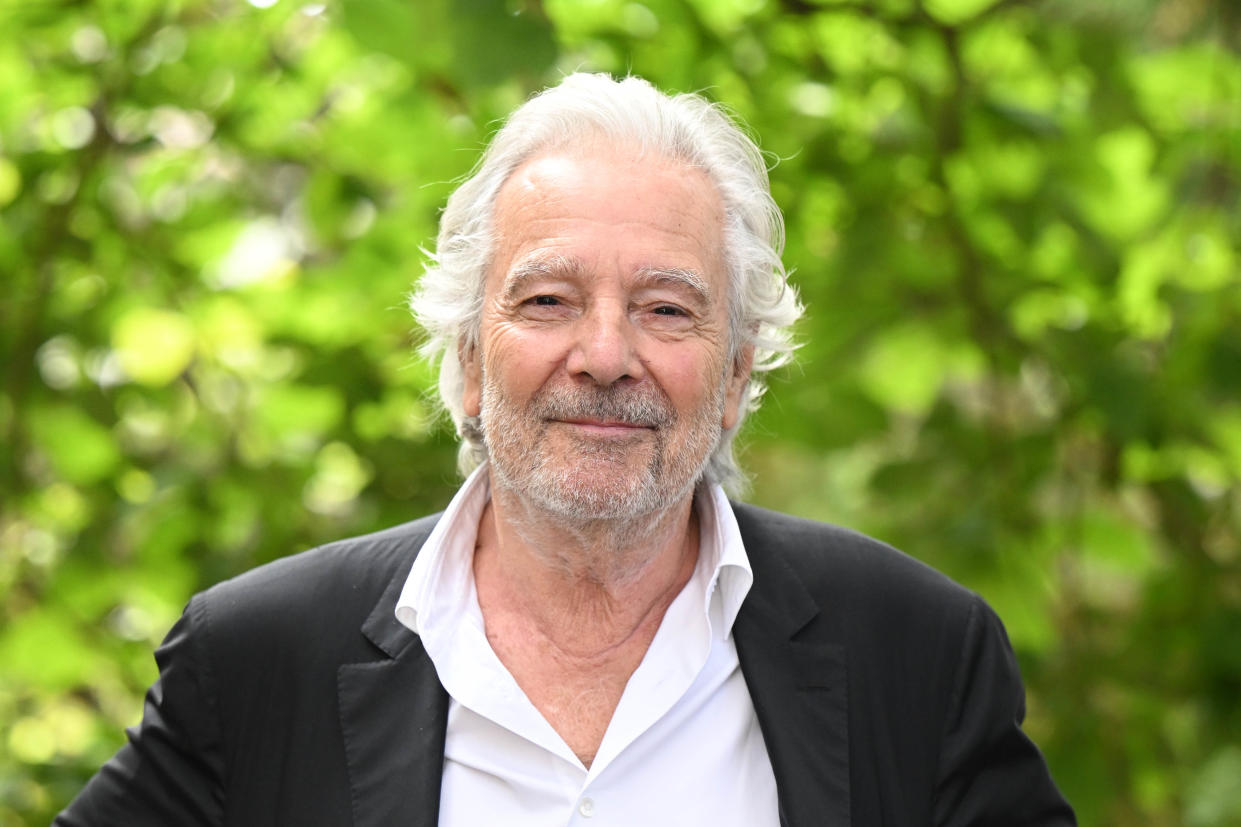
597, 481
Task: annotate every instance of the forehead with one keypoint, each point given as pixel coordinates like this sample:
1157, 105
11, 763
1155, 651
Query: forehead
610, 208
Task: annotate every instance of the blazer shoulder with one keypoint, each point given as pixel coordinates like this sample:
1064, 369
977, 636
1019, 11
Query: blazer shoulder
336, 564
844, 566
333, 586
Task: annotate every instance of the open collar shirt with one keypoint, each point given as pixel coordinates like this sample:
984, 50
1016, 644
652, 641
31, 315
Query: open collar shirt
683, 746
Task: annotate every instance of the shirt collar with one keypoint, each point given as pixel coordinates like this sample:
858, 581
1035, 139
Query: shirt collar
443, 573
720, 538
442, 576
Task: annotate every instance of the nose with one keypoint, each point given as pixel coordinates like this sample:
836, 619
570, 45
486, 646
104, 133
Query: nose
605, 347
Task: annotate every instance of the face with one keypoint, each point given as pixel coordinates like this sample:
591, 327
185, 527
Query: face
602, 377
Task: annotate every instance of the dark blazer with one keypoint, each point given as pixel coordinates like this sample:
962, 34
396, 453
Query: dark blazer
886, 693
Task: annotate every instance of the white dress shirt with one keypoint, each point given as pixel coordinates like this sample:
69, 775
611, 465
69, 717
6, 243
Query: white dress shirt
683, 746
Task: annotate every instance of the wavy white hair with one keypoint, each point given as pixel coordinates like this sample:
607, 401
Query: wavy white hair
629, 112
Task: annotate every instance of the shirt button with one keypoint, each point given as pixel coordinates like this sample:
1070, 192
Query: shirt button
586, 807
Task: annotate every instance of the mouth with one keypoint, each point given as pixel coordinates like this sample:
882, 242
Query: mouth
605, 427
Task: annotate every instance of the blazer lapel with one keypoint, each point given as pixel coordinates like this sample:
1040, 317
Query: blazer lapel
394, 715
797, 679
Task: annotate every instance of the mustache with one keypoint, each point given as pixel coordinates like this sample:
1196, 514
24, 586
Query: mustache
646, 407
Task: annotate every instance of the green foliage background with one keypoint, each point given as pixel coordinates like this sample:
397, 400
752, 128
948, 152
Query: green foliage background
1014, 223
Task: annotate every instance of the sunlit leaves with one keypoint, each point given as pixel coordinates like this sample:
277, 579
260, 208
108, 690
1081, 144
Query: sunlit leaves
906, 368
76, 447
1188, 88
297, 415
47, 650
1014, 225
1128, 195
957, 11
10, 181
153, 346
503, 42
1214, 798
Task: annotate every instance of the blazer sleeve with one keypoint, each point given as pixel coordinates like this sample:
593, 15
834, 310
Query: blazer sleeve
990, 773
171, 770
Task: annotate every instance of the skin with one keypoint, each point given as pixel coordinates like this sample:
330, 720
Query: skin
607, 287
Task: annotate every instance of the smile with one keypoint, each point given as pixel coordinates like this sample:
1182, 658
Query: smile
604, 428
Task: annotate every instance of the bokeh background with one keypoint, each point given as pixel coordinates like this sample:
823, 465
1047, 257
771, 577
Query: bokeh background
1015, 225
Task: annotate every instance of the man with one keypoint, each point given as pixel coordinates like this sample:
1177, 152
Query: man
591, 632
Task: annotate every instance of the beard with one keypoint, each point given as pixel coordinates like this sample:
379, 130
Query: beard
586, 477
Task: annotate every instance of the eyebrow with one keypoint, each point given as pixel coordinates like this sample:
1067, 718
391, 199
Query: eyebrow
564, 266
679, 276
538, 268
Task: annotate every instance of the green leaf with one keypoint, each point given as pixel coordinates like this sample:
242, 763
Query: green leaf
1129, 196
905, 369
503, 42
45, 649
957, 11
1214, 796
81, 450
10, 181
154, 346
297, 412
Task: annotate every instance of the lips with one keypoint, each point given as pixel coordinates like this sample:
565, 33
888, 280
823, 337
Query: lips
607, 424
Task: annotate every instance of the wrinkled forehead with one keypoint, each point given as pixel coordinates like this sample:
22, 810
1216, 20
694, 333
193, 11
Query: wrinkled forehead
621, 174
641, 211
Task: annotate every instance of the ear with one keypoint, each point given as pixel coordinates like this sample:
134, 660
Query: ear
735, 386
472, 378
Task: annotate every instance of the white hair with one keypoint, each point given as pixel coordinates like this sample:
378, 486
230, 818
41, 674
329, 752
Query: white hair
629, 112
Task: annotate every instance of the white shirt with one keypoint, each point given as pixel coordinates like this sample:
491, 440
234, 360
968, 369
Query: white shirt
683, 746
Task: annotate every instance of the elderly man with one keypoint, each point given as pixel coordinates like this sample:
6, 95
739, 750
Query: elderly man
591, 633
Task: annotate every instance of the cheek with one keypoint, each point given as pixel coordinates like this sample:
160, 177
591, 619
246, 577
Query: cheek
692, 382
520, 361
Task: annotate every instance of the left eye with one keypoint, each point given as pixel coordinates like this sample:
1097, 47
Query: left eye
668, 310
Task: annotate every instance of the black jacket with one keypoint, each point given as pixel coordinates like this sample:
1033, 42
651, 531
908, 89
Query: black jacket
886, 693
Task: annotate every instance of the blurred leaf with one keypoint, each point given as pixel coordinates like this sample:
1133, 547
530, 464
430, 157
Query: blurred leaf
10, 181
154, 346
956, 11
44, 649
81, 450
1215, 798
905, 369
1129, 197
295, 411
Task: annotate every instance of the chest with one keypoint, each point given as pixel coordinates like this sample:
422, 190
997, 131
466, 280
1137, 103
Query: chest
671, 753
577, 696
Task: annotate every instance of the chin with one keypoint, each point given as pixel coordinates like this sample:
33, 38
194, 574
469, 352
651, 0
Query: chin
599, 482
606, 494
594, 499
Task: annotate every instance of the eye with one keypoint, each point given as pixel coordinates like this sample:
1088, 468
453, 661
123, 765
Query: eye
545, 307
668, 310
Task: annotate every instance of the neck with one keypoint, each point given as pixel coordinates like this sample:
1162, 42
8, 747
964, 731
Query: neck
590, 586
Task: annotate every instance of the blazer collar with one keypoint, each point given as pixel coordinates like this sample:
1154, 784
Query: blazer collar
394, 713
394, 716
796, 674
